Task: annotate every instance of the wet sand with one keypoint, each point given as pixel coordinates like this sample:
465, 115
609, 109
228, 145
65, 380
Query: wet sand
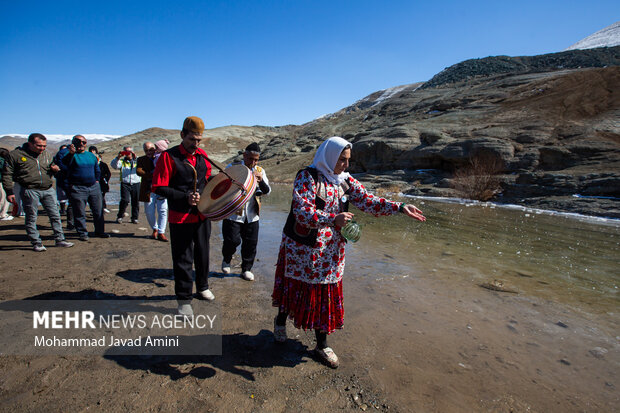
415, 339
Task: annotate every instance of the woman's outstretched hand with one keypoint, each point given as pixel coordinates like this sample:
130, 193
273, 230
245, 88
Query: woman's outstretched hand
413, 212
342, 219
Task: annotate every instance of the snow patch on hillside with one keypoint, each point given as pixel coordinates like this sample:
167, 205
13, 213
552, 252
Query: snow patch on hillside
607, 37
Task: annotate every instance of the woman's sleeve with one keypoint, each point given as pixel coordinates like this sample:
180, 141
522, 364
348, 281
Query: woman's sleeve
304, 208
370, 203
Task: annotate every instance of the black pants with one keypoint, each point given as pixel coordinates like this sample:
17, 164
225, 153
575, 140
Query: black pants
129, 192
234, 233
190, 245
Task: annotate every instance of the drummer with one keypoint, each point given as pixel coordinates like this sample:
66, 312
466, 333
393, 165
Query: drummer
242, 227
180, 176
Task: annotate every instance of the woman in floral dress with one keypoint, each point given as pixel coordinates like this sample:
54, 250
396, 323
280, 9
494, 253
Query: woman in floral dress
308, 279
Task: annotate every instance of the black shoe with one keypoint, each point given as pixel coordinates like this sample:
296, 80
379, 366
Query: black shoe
102, 235
134, 221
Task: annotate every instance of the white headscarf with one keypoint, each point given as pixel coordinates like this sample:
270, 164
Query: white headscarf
327, 156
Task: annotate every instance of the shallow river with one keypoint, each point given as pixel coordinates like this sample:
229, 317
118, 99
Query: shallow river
557, 257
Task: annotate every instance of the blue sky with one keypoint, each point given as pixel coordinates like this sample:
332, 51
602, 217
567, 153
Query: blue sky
118, 67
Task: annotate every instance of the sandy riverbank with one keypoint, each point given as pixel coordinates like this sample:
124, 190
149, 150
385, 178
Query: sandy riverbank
419, 345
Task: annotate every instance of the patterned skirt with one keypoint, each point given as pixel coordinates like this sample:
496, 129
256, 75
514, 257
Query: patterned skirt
310, 306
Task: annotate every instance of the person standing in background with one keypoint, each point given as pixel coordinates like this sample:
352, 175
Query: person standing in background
104, 179
155, 206
130, 183
242, 227
4, 202
32, 167
82, 168
62, 187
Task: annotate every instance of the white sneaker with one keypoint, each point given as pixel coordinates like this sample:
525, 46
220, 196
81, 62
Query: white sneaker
247, 275
225, 267
327, 356
106, 211
64, 244
7, 218
38, 248
206, 295
185, 309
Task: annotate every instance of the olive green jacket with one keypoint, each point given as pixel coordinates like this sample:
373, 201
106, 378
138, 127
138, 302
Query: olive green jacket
27, 169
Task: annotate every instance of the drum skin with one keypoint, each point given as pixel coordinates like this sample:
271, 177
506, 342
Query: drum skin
222, 196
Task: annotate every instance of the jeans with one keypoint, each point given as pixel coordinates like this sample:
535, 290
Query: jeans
157, 213
129, 192
17, 190
4, 203
30, 202
79, 196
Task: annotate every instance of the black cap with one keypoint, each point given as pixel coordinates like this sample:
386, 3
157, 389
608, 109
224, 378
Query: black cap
253, 147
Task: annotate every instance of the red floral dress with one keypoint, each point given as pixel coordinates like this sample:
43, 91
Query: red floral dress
308, 280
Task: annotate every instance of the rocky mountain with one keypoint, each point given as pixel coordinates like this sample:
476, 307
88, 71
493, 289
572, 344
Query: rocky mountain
551, 122
223, 143
549, 125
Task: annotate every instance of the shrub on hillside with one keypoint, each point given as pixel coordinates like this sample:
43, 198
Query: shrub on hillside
479, 179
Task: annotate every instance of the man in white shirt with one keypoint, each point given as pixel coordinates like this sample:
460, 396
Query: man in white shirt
242, 227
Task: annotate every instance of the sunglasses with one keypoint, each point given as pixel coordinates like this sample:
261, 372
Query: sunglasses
79, 142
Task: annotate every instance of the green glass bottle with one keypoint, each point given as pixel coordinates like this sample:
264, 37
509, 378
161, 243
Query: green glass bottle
352, 231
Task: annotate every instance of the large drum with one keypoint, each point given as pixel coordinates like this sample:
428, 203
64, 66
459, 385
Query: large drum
227, 192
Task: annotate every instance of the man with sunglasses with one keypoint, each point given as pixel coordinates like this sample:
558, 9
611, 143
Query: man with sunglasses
32, 167
82, 169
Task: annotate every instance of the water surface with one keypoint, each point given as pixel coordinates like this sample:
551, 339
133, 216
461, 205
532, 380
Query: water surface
552, 257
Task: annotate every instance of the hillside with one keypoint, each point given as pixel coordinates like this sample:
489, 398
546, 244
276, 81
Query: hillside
222, 143
555, 132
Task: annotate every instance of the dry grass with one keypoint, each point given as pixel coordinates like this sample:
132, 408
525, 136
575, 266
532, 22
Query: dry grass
388, 189
479, 179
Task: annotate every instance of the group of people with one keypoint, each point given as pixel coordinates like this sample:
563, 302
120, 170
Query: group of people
310, 266
28, 173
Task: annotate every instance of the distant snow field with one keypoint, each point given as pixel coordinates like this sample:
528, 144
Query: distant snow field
91, 137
